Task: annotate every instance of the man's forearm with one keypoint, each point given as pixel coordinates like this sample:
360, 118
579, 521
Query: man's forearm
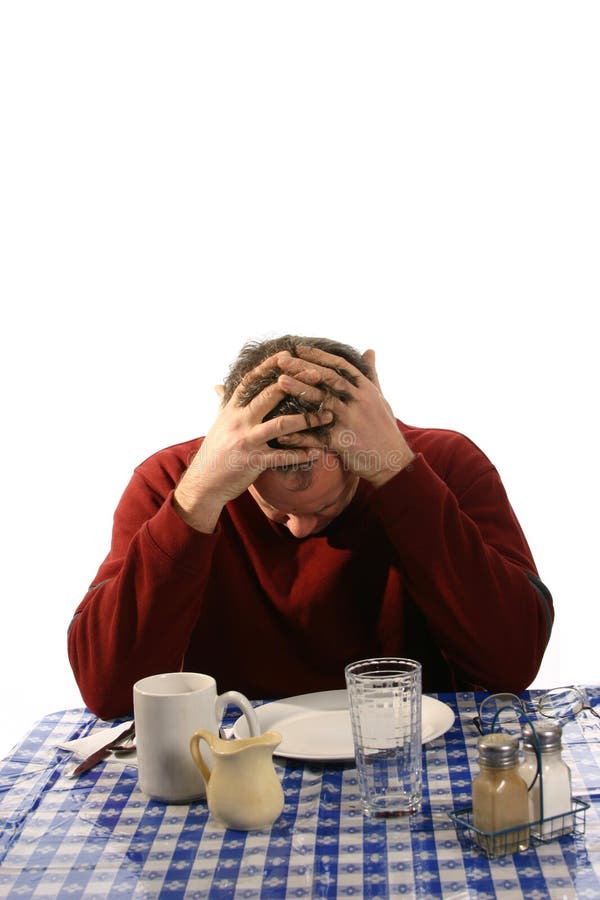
138, 615
467, 571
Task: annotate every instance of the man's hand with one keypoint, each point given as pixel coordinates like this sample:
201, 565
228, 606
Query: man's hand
236, 449
365, 433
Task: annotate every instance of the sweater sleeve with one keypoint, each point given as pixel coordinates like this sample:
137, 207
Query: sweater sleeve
469, 569
137, 616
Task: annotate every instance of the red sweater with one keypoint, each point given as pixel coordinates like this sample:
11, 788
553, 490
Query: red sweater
433, 566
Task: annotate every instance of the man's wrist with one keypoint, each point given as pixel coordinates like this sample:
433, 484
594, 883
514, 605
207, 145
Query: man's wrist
200, 515
395, 464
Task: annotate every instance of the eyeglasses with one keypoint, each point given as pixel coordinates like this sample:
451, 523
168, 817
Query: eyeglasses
503, 711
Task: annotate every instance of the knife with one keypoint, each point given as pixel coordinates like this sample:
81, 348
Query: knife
102, 753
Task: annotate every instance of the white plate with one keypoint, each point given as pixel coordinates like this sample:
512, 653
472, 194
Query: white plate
317, 726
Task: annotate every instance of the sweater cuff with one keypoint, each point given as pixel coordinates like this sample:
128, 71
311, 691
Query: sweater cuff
179, 541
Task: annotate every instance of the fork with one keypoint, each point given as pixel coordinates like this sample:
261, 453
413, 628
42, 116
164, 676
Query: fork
124, 742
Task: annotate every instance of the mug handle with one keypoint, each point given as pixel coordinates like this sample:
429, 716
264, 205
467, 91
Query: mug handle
201, 735
242, 703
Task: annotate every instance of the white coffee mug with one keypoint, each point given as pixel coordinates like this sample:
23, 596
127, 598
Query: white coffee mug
167, 710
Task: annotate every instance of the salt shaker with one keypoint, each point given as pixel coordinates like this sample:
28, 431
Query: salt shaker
500, 796
556, 781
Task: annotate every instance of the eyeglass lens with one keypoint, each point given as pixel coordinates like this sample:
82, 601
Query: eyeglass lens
501, 711
560, 703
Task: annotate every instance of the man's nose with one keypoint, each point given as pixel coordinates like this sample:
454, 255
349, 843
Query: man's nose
301, 526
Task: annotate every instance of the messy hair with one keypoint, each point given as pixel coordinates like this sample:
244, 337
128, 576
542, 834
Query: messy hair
254, 352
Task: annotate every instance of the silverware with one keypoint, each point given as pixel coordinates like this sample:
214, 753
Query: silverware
116, 744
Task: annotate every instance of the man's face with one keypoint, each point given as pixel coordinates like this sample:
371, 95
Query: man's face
308, 510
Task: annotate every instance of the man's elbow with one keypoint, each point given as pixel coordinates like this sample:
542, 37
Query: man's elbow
105, 695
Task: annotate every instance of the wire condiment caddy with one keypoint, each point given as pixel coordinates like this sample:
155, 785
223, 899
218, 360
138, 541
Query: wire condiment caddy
502, 842
564, 813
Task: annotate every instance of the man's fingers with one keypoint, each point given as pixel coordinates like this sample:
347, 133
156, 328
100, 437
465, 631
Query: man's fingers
264, 401
300, 389
277, 385
329, 361
369, 358
268, 368
275, 429
339, 383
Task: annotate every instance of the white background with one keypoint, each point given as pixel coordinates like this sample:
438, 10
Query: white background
178, 177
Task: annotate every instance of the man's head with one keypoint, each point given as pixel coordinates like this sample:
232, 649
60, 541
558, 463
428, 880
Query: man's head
304, 498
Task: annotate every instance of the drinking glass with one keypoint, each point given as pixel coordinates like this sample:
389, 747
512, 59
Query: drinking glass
384, 696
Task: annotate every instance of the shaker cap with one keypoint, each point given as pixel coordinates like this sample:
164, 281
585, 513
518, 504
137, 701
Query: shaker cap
549, 735
498, 749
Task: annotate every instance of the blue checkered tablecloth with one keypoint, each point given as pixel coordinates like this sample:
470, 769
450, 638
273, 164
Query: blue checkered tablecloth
98, 836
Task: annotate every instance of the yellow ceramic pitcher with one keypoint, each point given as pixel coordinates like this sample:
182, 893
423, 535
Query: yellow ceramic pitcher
243, 790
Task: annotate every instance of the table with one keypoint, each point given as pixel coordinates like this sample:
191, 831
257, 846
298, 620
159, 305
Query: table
98, 836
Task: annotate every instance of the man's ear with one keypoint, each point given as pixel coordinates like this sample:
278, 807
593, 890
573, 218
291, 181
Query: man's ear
220, 392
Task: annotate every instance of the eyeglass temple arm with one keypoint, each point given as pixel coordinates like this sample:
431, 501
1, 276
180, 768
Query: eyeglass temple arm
477, 723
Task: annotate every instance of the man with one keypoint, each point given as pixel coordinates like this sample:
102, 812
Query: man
310, 528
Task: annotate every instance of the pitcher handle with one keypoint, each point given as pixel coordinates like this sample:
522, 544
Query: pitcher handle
201, 735
243, 704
